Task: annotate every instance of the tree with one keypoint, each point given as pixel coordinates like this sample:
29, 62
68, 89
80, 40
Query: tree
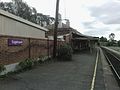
44, 19
119, 43
22, 9
10, 7
2, 5
33, 15
112, 36
103, 39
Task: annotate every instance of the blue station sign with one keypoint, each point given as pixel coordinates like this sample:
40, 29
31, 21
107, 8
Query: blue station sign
15, 42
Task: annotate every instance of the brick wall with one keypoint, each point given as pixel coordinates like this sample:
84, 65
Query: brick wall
38, 47
12, 54
30, 48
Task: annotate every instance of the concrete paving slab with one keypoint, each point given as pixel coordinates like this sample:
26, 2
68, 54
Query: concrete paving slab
72, 75
99, 82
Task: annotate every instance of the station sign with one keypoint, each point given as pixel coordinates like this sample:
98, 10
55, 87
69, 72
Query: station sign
15, 42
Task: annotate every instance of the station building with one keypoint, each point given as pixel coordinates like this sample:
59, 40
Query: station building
77, 40
21, 39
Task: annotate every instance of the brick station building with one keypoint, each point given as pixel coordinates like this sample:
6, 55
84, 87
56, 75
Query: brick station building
21, 39
71, 36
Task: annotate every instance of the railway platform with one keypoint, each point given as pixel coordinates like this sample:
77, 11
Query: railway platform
109, 79
87, 71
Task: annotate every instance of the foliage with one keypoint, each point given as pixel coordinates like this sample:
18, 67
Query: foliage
65, 52
22, 9
103, 39
112, 43
109, 44
26, 64
119, 43
2, 68
112, 36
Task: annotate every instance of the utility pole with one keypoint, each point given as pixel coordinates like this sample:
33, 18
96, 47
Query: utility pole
55, 29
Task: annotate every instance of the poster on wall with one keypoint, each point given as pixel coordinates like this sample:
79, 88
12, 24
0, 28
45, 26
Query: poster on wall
15, 42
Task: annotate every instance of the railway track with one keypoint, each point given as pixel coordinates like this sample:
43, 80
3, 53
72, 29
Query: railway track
114, 63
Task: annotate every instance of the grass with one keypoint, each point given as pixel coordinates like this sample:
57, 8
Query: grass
115, 48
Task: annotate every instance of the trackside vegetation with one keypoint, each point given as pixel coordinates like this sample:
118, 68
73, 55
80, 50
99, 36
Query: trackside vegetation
65, 52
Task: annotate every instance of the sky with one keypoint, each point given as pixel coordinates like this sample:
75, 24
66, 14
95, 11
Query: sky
90, 17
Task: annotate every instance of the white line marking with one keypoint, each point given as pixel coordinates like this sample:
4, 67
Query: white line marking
94, 76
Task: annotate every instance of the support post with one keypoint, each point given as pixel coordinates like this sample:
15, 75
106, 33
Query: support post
29, 48
55, 30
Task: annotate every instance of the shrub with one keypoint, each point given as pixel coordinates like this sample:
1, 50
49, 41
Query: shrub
2, 68
65, 52
26, 64
119, 43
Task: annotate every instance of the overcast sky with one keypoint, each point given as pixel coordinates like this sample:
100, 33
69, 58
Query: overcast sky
90, 17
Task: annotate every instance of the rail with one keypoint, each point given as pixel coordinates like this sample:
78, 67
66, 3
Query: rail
114, 62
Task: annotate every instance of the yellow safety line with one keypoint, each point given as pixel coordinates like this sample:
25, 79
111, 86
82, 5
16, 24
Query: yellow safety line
94, 76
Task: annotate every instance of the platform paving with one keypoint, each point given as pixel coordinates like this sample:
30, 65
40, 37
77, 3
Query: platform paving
109, 79
70, 75
99, 81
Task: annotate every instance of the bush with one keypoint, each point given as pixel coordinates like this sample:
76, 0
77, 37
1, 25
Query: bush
119, 43
2, 68
65, 52
26, 64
